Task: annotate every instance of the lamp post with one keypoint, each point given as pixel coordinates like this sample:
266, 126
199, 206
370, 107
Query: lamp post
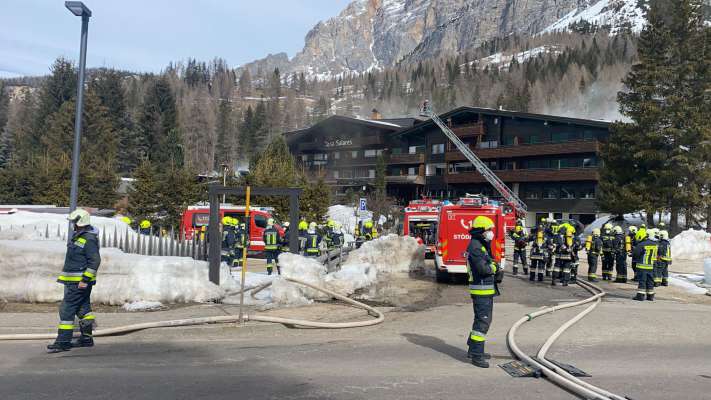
80, 10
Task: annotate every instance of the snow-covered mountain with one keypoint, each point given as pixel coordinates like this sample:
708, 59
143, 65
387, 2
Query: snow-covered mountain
370, 34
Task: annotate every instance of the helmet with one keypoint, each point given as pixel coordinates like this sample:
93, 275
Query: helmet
126, 220
596, 232
368, 224
80, 217
331, 223
337, 225
643, 226
227, 221
312, 226
303, 225
664, 235
270, 222
661, 225
653, 233
482, 222
242, 225
145, 224
286, 224
544, 220
633, 229
608, 226
618, 229
640, 235
519, 228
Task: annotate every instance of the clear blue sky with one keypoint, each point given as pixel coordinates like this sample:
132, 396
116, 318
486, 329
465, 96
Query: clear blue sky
145, 35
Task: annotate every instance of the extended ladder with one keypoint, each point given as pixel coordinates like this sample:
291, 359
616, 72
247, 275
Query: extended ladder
487, 173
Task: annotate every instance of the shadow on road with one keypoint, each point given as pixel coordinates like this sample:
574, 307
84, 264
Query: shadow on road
437, 345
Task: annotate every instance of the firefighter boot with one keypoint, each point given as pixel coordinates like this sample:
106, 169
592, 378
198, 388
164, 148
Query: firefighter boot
540, 277
665, 282
525, 270
554, 276
532, 276
566, 278
650, 297
638, 297
515, 270
480, 361
269, 270
58, 347
485, 355
86, 339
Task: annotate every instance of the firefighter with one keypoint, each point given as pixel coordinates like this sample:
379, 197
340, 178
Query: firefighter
653, 235
78, 277
665, 259
228, 239
593, 246
483, 277
303, 228
632, 233
563, 254
370, 232
126, 220
328, 233
645, 254
284, 243
577, 246
313, 241
520, 241
623, 246
145, 227
538, 256
550, 247
338, 237
608, 251
241, 244
271, 246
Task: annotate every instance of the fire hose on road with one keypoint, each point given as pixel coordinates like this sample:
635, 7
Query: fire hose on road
379, 317
551, 371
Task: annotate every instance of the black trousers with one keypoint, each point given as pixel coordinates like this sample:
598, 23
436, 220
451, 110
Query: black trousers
76, 303
646, 281
272, 257
483, 310
520, 256
592, 266
621, 266
608, 264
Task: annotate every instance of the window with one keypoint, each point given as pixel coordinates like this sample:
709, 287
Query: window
567, 193
260, 221
532, 194
533, 139
510, 165
397, 150
371, 173
589, 162
588, 135
588, 193
550, 193
320, 157
490, 144
379, 152
435, 169
336, 155
438, 148
369, 153
354, 154
335, 174
492, 164
416, 149
457, 168
411, 171
304, 157
559, 137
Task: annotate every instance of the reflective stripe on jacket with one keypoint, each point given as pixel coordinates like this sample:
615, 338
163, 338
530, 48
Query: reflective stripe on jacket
82, 260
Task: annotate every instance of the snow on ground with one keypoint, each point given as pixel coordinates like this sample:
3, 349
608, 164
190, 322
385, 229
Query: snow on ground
503, 60
691, 245
614, 13
30, 271
27, 225
688, 282
142, 306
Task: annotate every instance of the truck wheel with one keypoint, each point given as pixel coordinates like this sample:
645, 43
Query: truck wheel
441, 276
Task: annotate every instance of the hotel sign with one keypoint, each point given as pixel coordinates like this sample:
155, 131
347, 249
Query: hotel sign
338, 142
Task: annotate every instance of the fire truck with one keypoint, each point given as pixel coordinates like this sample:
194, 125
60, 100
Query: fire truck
421, 220
453, 234
197, 217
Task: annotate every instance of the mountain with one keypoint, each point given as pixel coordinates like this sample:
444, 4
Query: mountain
372, 34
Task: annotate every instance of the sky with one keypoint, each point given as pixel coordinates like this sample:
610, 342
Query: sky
145, 35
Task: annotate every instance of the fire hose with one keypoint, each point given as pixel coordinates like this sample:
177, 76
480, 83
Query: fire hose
551, 371
379, 317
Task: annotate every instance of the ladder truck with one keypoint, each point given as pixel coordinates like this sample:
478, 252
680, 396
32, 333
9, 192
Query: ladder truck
487, 173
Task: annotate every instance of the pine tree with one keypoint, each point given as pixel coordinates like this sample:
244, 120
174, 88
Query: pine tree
380, 173
246, 136
4, 106
315, 199
143, 201
276, 168
245, 84
225, 134
157, 124
177, 189
108, 87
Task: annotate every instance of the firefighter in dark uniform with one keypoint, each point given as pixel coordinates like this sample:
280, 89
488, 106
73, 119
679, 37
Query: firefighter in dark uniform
608, 252
632, 233
228, 240
593, 246
665, 259
645, 254
241, 244
145, 227
284, 243
575, 250
563, 254
313, 241
483, 277
338, 237
622, 247
550, 247
328, 233
538, 255
271, 247
303, 228
78, 277
520, 241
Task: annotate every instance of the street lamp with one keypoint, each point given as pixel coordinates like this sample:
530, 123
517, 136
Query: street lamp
80, 10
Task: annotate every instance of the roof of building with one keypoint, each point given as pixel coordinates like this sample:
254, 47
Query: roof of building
426, 124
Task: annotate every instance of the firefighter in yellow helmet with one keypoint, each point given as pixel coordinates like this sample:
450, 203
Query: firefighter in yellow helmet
145, 227
484, 274
645, 254
313, 241
593, 246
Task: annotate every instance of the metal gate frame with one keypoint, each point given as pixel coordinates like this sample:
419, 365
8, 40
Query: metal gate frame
214, 237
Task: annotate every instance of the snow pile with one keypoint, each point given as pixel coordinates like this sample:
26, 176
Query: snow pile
391, 254
302, 268
617, 14
27, 225
30, 271
143, 306
687, 282
691, 245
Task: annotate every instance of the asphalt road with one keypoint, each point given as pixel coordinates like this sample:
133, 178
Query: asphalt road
641, 350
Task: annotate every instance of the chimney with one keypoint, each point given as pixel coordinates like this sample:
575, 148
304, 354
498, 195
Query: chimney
375, 114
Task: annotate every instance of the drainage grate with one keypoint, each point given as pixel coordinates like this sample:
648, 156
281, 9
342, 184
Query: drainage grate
517, 369
568, 368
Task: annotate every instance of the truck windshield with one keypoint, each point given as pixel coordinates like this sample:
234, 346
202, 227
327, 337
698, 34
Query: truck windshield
424, 230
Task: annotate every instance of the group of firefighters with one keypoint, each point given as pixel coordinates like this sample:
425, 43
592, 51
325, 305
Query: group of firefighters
555, 247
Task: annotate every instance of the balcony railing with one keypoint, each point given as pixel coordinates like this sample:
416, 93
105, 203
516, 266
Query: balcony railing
528, 150
530, 175
405, 159
469, 130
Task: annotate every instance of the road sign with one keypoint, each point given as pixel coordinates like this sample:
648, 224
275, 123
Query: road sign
363, 204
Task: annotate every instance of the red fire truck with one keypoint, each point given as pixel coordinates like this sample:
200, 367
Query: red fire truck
197, 217
453, 234
421, 219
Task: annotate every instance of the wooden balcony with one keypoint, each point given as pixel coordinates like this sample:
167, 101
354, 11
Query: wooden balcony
529, 175
405, 179
406, 159
470, 130
529, 150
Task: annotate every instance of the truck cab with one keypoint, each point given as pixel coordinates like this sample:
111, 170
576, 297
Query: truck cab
453, 234
421, 221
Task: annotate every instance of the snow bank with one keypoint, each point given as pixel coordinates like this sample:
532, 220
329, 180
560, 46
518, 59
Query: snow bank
687, 282
691, 245
30, 271
346, 216
27, 225
142, 306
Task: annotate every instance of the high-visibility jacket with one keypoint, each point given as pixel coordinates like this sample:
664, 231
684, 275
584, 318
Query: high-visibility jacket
82, 260
228, 237
645, 254
481, 267
284, 242
593, 245
271, 239
241, 238
665, 251
313, 240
